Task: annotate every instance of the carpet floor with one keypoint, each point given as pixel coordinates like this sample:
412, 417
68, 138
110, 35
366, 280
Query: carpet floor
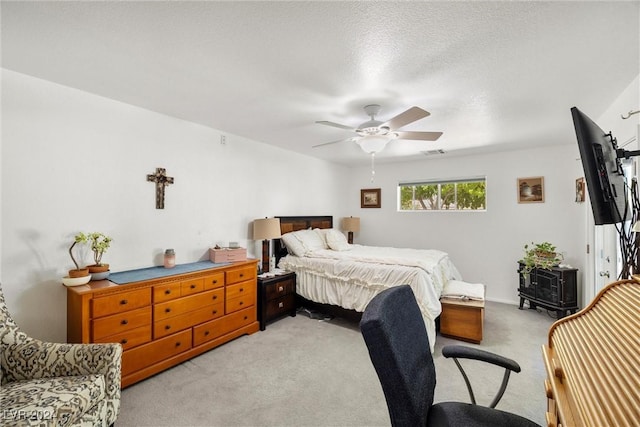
308, 372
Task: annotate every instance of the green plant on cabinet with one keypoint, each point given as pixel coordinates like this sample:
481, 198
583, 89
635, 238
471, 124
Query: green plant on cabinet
540, 255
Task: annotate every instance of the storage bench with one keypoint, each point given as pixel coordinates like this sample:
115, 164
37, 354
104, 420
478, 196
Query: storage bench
462, 319
462, 314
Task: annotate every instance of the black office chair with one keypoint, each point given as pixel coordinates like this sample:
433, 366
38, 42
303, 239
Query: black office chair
394, 331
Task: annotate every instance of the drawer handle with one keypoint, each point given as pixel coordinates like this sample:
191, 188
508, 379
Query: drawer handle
167, 310
241, 274
124, 301
241, 302
124, 322
167, 292
241, 289
215, 297
214, 281
215, 312
206, 333
280, 305
123, 341
167, 327
193, 286
246, 317
280, 289
178, 344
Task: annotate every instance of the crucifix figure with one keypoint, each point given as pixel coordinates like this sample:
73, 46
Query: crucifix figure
162, 180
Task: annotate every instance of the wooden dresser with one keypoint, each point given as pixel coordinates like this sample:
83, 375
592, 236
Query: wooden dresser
165, 321
593, 362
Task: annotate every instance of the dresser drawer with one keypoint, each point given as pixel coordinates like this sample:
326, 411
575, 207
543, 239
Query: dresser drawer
154, 352
240, 274
177, 323
121, 322
166, 292
278, 289
105, 306
240, 290
279, 306
190, 287
184, 305
130, 339
216, 328
214, 281
239, 303
208, 331
239, 319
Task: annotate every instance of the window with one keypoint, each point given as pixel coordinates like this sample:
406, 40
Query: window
458, 195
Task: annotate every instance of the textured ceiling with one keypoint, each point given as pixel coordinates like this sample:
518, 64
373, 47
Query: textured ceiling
494, 75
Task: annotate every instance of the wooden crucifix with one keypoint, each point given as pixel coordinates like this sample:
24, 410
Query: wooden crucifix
162, 180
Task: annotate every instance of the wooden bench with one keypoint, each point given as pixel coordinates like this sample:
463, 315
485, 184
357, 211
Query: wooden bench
462, 315
462, 319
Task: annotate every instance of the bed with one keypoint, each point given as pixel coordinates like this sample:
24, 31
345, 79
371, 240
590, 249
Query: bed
330, 271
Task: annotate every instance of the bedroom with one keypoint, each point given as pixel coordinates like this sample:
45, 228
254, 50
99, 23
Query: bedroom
74, 160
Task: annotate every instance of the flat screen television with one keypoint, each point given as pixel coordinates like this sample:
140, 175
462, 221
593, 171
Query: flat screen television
602, 170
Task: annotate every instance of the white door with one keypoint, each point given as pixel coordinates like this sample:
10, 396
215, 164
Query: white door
606, 256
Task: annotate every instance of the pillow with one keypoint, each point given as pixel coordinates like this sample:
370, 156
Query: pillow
322, 232
303, 241
294, 247
311, 240
336, 240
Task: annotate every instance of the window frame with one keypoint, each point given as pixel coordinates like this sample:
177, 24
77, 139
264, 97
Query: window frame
439, 183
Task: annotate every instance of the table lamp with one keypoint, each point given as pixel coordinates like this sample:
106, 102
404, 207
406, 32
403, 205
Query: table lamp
266, 229
350, 224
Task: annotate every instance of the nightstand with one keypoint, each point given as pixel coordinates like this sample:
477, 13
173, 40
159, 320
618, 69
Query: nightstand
276, 297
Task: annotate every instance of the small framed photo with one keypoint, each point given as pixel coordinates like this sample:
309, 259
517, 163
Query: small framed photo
580, 189
531, 190
370, 198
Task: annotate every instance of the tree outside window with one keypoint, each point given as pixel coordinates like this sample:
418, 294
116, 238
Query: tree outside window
463, 194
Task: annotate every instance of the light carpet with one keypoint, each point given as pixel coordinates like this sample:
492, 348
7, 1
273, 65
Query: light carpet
308, 372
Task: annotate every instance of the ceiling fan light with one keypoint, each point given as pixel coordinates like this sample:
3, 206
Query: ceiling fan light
373, 143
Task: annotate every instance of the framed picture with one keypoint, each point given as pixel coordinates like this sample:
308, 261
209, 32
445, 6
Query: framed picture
580, 189
370, 198
531, 190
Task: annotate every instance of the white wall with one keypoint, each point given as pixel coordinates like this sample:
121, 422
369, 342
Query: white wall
485, 246
73, 161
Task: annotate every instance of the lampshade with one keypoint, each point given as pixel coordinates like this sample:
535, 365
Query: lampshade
374, 143
351, 224
266, 228
636, 227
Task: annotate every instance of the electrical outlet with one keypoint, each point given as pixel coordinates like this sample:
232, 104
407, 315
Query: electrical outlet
223, 139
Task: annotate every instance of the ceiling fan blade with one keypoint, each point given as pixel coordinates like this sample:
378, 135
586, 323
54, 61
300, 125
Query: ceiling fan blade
332, 142
335, 125
409, 116
422, 136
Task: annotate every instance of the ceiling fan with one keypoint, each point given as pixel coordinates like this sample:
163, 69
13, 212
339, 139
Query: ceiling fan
373, 135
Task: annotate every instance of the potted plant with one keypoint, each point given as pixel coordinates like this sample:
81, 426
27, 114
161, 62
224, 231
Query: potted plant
540, 255
78, 272
99, 245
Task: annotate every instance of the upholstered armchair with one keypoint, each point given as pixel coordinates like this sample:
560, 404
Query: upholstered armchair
54, 384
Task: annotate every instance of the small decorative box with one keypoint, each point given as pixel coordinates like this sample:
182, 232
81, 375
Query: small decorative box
227, 254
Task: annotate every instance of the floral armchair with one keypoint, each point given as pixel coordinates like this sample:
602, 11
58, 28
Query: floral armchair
54, 384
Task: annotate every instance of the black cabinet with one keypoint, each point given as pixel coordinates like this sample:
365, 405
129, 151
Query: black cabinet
553, 289
276, 297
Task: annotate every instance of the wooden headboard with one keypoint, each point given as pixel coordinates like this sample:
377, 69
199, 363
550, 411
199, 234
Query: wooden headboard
295, 223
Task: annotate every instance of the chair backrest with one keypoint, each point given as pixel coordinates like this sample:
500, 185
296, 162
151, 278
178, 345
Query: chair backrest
395, 334
9, 331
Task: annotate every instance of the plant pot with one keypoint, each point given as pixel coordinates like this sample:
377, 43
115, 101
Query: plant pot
98, 268
80, 272
545, 254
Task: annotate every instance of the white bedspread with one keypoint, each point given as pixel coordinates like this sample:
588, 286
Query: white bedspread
350, 279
